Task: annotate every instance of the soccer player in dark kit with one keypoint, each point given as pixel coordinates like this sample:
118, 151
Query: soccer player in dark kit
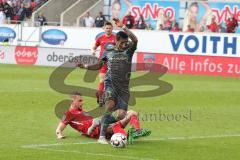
116, 81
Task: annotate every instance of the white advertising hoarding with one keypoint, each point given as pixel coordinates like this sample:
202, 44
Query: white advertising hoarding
210, 44
28, 55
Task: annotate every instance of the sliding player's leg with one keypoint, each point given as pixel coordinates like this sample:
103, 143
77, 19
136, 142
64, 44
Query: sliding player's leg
95, 123
135, 130
106, 119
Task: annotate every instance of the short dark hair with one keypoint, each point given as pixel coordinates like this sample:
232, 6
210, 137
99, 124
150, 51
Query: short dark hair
121, 35
108, 23
76, 94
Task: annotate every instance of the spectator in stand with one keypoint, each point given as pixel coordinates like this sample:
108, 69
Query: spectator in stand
190, 29
8, 10
21, 12
167, 23
16, 7
140, 23
222, 28
161, 28
42, 19
9, 2
175, 27
100, 20
18, 10
128, 20
27, 6
33, 4
2, 16
149, 26
213, 27
88, 20
231, 24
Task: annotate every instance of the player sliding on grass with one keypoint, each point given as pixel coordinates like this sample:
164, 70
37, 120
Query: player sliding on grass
78, 119
116, 81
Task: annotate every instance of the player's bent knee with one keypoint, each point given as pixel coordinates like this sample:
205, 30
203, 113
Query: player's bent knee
131, 113
121, 115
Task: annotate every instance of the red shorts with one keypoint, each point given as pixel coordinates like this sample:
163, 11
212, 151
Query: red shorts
95, 133
84, 128
103, 69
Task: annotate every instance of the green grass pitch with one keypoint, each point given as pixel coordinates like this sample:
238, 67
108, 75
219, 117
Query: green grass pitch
207, 127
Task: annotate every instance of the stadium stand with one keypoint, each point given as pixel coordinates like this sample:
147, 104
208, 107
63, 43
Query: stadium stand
71, 15
52, 10
19, 10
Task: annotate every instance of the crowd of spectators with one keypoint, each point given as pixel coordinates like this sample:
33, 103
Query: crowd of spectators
166, 23
230, 26
13, 11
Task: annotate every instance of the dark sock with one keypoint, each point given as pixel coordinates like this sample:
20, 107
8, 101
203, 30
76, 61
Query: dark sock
105, 121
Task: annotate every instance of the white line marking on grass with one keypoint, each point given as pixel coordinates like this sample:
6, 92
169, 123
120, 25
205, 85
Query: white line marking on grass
191, 138
94, 154
56, 144
157, 139
46, 146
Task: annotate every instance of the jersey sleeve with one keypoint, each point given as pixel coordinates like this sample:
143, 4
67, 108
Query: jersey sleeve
67, 118
131, 50
98, 41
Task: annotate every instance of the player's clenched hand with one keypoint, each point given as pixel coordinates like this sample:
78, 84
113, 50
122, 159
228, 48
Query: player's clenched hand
118, 22
60, 136
93, 52
80, 65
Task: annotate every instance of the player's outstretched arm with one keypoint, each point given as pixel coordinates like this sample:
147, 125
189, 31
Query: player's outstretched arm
95, 66
93, 50
59, 130
127, 31
130, 34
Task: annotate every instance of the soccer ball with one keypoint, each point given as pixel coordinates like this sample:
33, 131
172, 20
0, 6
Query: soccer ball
118, 140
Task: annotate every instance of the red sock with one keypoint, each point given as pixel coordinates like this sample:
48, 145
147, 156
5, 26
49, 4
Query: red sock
117, 128
135, 122
101, 86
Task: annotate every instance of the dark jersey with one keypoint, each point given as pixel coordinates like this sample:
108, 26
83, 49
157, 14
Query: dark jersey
119, 68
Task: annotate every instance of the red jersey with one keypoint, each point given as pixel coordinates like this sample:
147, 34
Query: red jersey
213, 27
190, 30
129, 21
103, 40
80, 121
231, 25
176, 29
168, 24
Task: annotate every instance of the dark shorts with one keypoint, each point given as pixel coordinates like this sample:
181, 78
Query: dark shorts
120, 98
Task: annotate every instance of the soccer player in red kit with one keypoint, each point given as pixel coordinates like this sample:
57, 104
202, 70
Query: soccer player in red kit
102, 41
78, 119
